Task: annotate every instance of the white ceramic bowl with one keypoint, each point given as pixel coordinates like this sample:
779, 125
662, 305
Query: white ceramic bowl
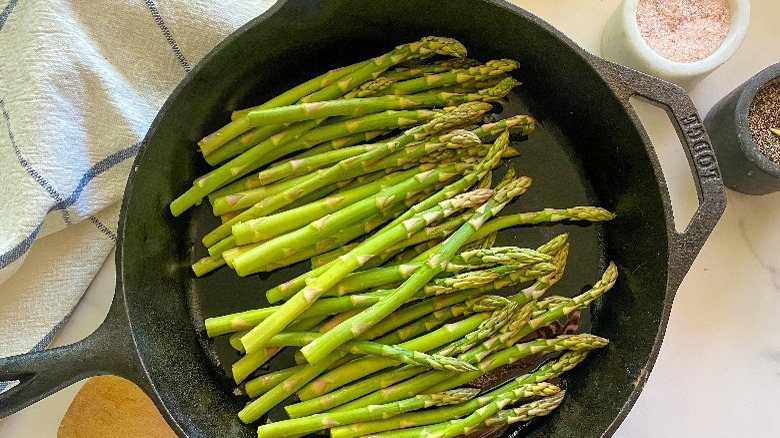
622, 42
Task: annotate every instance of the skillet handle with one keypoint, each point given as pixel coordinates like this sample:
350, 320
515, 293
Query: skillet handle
109, 350
706, 174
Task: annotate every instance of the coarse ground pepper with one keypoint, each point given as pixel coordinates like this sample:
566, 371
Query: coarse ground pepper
763, 116
683, 30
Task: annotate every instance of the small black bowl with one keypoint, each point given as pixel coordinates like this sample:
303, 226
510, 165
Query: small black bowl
744, 168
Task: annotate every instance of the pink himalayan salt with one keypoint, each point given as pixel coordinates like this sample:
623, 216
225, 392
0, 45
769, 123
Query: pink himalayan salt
683, 30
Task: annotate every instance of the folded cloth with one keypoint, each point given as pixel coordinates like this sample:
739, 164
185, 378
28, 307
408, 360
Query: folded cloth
80, 83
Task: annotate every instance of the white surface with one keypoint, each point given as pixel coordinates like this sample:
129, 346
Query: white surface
718, 373
623, 43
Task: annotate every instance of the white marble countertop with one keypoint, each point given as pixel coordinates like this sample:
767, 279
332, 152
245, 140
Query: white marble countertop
718, 373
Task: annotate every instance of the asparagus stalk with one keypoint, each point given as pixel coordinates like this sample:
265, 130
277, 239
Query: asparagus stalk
257, 408
505, 340
369, 88
396, 353
267, 401
454, 139
245, 320
494, 155
548, 215
312, 394
317, 422
576, 303
290, 310
284, 245
431, 381
297, 136
346, 169
473, 422
342, 142
548, 371
260, 385
432, 320
469, 86
345, 235
428, 314
245, 188
480, 170
349, 372
356, 325
526, 412
403, 73
363, 280
428, 46
369, 105
287, 169
296, 93
424, 48
266, 227
452, 77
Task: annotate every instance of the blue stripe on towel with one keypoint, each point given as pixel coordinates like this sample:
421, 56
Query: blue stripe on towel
20, 248
104, 229
6, 12
168, 36
43, 343
98, 168
28, 167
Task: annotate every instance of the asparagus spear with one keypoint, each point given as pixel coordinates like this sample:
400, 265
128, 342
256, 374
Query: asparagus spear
494, 155
403, 73
345, 169
505, 341
548, 371
296, 93
297, 136
290, 310
260, 385
369, 88
526, 412
472, 422
284, 245
428, 46
433, 380
210, 144
368, 105
465, 261
311, 394
396, 353
452, 77
456, 138
350, 372
266, 227
356, 325
254, 136
548, 215
267, 401
245, 320
424, 48
314, 423
365, 366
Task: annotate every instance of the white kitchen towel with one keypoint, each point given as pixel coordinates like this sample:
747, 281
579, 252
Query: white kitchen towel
80, 83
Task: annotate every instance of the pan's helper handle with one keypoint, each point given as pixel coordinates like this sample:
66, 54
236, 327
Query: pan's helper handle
698, 149
109, 350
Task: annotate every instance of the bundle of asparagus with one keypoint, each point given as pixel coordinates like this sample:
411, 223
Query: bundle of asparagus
406, 301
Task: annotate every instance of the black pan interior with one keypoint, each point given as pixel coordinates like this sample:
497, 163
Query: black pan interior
586, 150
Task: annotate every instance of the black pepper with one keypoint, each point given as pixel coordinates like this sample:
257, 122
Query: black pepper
764, 115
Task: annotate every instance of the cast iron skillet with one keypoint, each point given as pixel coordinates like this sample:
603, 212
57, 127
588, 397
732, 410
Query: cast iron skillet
589, 148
